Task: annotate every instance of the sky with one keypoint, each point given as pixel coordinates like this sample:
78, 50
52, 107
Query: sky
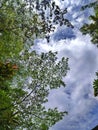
77, 97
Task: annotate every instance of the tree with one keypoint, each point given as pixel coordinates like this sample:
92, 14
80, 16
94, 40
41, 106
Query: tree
92, 29
95, 128
26, 78
23, 99
22, 21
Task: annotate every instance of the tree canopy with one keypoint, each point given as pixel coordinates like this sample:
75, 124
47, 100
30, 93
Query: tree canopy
92, 28
26, 77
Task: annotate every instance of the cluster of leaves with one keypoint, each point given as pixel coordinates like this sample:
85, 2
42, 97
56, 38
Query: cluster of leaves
95, 85
10, 34
92, 28
23, 94
22, 21
7, 70
41, 74
22, 104
50, 15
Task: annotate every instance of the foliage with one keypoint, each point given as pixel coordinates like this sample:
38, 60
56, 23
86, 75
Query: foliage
26, 78
24, 99
95, 85
22, 21
92, 28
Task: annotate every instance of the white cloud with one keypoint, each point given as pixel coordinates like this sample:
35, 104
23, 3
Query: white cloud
78, 96
83, 63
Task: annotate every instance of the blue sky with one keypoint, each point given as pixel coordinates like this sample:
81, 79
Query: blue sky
77, 98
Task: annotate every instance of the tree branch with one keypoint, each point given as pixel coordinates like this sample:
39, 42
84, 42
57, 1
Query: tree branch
28, 95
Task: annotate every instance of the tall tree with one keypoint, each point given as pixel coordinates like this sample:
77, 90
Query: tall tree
26, 78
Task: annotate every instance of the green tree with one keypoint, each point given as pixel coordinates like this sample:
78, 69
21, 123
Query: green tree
92, 29
26, 78
22, 99
22, 21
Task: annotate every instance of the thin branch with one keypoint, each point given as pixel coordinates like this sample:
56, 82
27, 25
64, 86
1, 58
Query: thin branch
27, 95
4, 109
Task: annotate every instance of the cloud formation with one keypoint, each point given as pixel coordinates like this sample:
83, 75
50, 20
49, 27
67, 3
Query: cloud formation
77, 98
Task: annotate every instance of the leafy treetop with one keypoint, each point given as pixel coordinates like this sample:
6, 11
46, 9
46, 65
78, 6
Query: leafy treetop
92, 28
27, 77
